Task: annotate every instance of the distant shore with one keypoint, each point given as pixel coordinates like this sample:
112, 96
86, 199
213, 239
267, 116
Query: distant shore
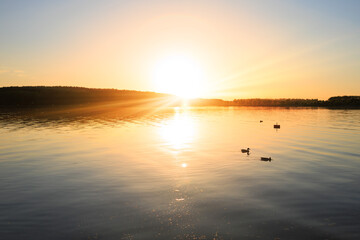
41, 96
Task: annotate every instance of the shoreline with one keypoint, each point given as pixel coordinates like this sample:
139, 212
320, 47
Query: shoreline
49, 97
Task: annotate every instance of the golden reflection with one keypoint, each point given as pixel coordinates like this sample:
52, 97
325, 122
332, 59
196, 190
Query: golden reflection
178, 132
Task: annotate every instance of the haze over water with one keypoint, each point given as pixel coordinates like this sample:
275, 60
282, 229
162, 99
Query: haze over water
179, 174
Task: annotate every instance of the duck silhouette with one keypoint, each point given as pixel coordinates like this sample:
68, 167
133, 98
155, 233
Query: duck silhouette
245, 150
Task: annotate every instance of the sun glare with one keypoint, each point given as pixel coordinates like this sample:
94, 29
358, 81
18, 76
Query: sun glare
179, 75
179, 132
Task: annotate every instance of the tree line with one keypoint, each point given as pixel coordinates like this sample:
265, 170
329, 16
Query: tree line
45, 96
340, 101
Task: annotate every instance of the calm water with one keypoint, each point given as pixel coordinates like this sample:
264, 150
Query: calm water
180, 174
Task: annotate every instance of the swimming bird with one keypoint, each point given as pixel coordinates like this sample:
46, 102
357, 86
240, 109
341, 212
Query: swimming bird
261, 121
266, 159
245, 150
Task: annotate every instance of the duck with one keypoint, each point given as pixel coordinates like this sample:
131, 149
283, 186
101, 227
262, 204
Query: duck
266, 159
245, 150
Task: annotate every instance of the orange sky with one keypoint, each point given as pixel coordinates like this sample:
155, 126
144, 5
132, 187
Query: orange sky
239, 49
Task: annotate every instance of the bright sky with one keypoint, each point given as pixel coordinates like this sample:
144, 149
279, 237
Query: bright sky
213, 49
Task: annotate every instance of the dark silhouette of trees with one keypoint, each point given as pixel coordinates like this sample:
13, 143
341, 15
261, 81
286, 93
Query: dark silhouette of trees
283, 102
55, 96
45, 96
344, 101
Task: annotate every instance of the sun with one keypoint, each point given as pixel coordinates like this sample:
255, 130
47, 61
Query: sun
180, 75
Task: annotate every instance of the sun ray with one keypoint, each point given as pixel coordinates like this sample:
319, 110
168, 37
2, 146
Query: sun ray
225, 83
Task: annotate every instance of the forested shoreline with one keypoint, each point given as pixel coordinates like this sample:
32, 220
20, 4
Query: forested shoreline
39, 96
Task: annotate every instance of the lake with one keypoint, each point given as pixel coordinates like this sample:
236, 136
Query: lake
179, 173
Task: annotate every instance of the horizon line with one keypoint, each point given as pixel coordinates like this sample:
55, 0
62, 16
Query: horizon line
148, 91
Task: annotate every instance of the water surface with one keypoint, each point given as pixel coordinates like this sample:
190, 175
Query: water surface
179, 174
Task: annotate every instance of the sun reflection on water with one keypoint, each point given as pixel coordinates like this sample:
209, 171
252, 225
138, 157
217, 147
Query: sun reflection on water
179, 132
